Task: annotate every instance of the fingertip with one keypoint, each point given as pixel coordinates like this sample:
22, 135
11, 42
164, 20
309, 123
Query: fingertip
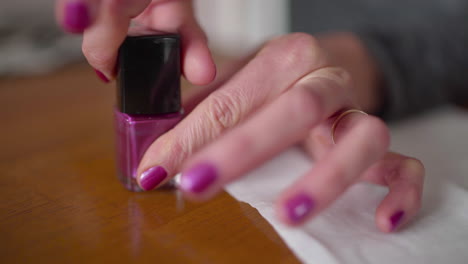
396, 219
101, 58
282, 215
102, 76
296, 209
200, 181
198, 65
403, 201
76, 16
151, 178
390, 220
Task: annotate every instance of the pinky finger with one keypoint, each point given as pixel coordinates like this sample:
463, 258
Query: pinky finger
405, 177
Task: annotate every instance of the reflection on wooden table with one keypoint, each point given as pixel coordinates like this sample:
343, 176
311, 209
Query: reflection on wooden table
61, 201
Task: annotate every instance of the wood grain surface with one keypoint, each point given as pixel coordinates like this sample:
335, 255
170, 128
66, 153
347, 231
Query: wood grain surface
62, 203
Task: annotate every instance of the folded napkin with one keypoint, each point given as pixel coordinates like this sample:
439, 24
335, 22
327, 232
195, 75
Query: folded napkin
346, 233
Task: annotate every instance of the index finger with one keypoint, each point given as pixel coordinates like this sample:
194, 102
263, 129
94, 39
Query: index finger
272, 72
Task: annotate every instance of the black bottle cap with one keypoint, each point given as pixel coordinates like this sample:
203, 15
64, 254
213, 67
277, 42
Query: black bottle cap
148, 81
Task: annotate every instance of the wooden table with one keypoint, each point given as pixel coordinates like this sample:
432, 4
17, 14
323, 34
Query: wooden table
61, 201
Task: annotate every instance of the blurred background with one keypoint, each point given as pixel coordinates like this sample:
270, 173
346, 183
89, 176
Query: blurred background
31, 43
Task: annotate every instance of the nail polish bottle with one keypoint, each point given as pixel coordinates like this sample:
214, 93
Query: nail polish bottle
148, 98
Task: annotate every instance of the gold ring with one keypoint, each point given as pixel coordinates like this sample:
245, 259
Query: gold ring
341, 116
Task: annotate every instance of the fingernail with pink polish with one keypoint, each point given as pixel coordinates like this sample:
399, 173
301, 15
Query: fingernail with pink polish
299, 207
152, 177
198, 178
396, 218
102, 76
76, 16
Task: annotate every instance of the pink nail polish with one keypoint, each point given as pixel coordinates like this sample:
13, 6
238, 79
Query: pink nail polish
198, 178
299, 207
152, 177
396, 218
76, 16
101, 76
148, 100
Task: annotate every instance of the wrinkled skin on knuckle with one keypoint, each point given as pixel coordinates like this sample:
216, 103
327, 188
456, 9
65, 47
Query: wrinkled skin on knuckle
224, 110
197, 134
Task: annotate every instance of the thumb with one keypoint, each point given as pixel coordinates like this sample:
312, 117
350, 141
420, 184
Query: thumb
178, 16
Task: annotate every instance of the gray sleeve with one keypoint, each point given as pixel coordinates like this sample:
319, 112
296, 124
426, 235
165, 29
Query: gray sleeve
422, 68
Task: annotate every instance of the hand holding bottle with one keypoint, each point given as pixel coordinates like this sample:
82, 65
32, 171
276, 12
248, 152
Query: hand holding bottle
290, 92
105, 23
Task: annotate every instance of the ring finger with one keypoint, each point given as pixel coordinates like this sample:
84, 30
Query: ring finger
359, 145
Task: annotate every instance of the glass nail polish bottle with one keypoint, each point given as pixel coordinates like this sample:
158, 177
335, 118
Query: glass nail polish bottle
148, 98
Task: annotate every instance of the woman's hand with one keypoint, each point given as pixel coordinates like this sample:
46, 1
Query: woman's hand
290, 92
105, 25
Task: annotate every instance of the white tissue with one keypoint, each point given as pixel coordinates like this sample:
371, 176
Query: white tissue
346, 233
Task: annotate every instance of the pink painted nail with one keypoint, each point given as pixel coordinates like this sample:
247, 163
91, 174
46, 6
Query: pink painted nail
101, 76
198, 178
299, 207
76, 16
396, 218
152, 177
